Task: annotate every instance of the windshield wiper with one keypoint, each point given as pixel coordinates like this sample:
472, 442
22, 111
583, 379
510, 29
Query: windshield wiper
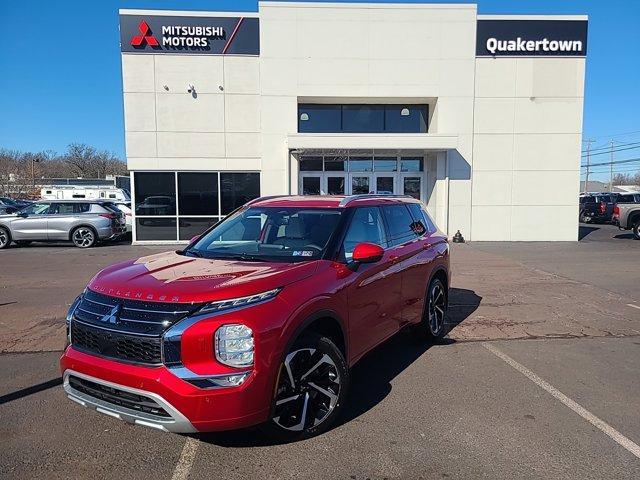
243, 257
194, 253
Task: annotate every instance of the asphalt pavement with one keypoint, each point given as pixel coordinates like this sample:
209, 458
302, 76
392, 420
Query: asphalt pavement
536, 379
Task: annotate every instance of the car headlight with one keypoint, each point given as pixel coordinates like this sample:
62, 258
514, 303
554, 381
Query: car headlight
234, 345
239, 302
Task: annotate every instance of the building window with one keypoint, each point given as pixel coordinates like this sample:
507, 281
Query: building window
172, 206
198, 193
237, 189
155, 194
362, 118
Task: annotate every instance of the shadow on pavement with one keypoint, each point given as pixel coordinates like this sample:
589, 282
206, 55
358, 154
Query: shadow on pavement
583, 231
371, 377
624, 236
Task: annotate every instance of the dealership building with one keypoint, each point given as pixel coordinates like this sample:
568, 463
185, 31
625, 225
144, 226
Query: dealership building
479, 116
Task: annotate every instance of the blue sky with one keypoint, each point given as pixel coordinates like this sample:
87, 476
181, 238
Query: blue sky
60, 76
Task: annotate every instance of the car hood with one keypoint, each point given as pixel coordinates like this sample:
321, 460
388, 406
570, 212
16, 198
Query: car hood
170, 277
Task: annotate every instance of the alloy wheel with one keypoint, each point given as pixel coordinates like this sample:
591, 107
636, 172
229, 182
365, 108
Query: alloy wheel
308, 390
83, 237
437, 308
4, 238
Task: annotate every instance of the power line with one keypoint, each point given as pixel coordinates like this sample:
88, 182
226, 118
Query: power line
612, 135
627, 160
608, 146
611, 150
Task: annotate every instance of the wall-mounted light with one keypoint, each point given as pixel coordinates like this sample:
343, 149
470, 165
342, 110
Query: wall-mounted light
166, 87
405, 112
304, 117
191, 89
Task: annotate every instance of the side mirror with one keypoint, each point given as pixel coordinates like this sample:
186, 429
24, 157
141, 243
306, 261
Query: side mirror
23, 215
194, 239
366, 253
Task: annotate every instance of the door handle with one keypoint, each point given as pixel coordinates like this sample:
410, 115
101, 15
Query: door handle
394, 259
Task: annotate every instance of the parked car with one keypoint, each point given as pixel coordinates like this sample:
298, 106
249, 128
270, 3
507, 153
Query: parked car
7, 209
627, 216
14, 202
83, 222
596, 207
259, 319
125, 207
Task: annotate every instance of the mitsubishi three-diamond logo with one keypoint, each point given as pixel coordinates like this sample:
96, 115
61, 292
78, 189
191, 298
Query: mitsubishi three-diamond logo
145, 38
113, 316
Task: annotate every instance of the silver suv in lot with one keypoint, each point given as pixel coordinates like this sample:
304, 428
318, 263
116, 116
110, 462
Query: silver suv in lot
83, 222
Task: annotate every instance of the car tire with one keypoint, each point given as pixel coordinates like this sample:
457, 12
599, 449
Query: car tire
636, 230
434, 317
23, 243
5, 238
313, 382
84, 237
584, 218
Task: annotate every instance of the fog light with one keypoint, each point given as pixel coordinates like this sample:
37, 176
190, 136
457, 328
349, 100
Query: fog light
234, 345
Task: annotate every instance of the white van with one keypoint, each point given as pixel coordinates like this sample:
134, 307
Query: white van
79, 192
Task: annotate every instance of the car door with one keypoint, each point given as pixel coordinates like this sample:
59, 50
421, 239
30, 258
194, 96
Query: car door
406, 247
31, 223
373, 290
61, 217
418, 266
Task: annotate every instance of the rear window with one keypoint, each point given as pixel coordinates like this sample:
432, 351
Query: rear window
110, 207
604, 198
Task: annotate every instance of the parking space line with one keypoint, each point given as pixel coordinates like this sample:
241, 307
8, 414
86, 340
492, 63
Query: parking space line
633, 306
185, 462
623, 441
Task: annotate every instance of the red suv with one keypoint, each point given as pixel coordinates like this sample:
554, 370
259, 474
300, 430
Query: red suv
259, 319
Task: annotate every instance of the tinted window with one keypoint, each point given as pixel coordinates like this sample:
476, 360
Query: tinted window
589, 200
198, 193
625, 198
190, 227
421, 216
335, 164
411, 164
237, 189
362, 118
155, 193
37, 209
319, 118
311, 164
400, 224
406, 118
604, 198
156, 228
311, 185
366, 226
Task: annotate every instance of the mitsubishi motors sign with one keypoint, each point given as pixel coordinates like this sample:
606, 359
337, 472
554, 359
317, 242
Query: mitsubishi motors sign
189, 35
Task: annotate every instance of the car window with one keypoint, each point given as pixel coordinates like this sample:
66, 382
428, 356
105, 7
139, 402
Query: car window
423, 223
37, 209
366, 226
605, 199
589, 200
400, 223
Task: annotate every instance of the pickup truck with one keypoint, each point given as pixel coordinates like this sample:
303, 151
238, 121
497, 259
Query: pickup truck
627, 217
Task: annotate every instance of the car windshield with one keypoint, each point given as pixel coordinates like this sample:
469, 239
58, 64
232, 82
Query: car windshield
270, 234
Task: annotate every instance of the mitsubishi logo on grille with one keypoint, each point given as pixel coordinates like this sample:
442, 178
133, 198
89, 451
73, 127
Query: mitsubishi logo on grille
113, 316
145, 38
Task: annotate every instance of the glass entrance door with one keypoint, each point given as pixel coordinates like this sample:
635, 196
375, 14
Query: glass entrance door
385, 184
360, 184
336, 184
411, 184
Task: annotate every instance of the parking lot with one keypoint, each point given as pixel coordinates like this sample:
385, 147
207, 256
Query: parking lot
538, 378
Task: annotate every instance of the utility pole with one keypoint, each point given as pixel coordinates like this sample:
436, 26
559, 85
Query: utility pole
611, 170
586, 179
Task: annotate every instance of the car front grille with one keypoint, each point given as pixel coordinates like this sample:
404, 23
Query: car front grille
124, 329
118, 397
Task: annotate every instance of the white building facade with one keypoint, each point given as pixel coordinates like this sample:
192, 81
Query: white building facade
479, 116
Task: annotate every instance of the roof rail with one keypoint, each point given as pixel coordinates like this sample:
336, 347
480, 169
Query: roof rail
268, 197
346, 200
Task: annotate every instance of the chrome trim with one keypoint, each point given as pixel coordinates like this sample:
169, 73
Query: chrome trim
177, 422
187, 375
175, 332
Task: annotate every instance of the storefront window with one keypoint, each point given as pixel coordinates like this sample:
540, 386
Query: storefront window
335, 164
190, 227
360, 164
411, 164
362, 118
311, 164
198, 200
198, 193
386, 164
237, 189
155, 193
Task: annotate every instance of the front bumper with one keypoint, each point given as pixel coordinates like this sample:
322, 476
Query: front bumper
189, 408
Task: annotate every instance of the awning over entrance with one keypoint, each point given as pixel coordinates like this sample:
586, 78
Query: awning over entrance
308, 142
